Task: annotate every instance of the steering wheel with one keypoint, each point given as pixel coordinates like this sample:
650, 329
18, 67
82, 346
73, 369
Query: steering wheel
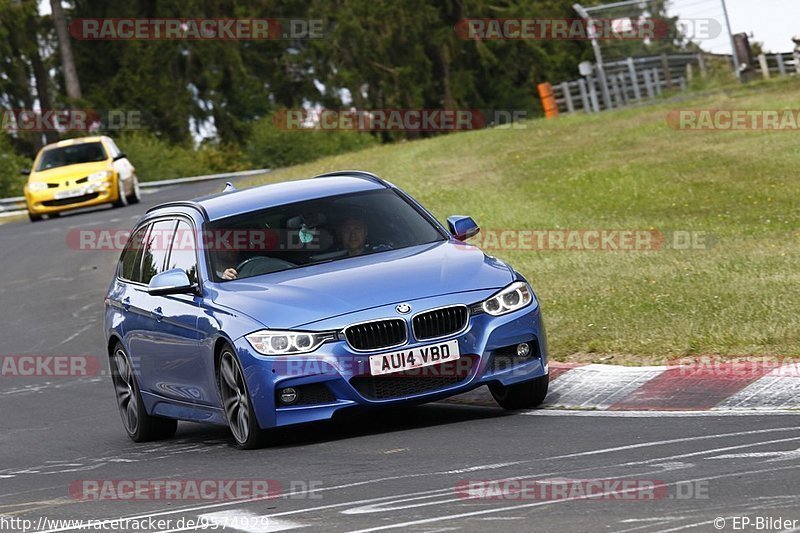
260, 264
382, 246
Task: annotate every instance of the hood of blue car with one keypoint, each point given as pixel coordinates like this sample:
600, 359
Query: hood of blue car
293, 298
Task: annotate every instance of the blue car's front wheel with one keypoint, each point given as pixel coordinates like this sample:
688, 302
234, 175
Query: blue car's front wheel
525, 395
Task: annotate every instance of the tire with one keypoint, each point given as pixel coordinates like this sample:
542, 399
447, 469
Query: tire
122, 199
136, 196
34, 218
525, 395
140, 426
236, 403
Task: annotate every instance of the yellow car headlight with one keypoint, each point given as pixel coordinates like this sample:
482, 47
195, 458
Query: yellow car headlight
99, 177
37, 186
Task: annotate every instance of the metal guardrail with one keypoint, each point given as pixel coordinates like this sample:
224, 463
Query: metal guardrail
16, 204
629, 81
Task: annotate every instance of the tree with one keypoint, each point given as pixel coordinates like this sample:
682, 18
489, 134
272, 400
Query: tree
71, 81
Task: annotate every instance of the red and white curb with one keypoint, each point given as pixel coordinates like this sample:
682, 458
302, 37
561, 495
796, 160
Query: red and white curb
722, 387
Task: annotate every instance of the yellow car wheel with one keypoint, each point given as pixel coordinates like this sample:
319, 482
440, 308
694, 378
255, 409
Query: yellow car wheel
122, 198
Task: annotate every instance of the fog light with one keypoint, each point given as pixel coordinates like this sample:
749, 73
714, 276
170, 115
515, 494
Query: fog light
288, 396
523, 350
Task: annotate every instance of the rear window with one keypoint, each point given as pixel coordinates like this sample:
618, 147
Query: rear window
131, 259
154, 251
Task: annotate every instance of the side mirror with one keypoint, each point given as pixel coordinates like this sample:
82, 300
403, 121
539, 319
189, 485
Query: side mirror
121, 155
173, 281
462, 227
25, 172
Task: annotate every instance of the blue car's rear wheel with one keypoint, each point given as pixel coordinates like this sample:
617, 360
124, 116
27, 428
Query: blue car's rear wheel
140, 426
525, 395
236, 403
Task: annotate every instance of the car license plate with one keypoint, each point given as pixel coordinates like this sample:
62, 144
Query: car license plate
71, 193
432, 354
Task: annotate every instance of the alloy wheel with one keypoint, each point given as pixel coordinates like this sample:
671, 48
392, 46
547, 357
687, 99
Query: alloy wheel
125, 387
234, 397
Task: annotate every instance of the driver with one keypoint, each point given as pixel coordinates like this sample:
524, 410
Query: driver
352, 233
225, 258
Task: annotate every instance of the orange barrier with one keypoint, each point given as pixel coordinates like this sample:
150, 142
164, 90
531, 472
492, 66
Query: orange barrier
548, 100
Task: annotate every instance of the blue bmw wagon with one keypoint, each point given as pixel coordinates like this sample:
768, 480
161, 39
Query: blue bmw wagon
285, 303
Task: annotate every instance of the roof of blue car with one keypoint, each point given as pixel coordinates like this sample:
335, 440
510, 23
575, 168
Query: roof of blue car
231, 203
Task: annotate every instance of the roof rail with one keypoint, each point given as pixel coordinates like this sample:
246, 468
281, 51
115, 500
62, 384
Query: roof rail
180, 203
363, 174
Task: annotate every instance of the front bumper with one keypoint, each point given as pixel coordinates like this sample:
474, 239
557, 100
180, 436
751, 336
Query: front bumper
336, 377
46, 201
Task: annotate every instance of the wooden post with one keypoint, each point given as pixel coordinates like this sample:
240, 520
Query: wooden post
701, 62
682, 83
781, 64
615, 91
566, 89
689, 72
762, 60
797, 59
665, 68
623, 87
634, 79
648, 84
584, 95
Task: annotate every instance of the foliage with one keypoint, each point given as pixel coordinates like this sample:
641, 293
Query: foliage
156, 159
270, 147
11, 181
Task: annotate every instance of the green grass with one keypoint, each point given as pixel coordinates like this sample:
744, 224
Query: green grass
629, 169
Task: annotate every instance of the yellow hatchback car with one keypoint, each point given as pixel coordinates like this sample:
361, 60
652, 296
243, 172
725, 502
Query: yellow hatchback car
77, 173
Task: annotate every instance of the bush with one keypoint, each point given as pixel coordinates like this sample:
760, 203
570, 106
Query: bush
157, 159
271, 147
11, 181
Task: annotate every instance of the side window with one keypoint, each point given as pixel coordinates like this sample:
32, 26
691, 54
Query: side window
182, 254
155, 249
131, 259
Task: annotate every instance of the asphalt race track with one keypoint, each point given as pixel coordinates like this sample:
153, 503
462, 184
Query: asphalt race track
398, 470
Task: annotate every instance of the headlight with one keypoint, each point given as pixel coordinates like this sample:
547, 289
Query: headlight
269, 342
515, 296
37, 186
103, 175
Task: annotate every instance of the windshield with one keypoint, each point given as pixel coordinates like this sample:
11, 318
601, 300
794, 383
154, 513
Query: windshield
315, 231
72, 155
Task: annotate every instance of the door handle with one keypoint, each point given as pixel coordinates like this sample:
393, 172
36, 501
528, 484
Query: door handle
126, 303
158, 313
